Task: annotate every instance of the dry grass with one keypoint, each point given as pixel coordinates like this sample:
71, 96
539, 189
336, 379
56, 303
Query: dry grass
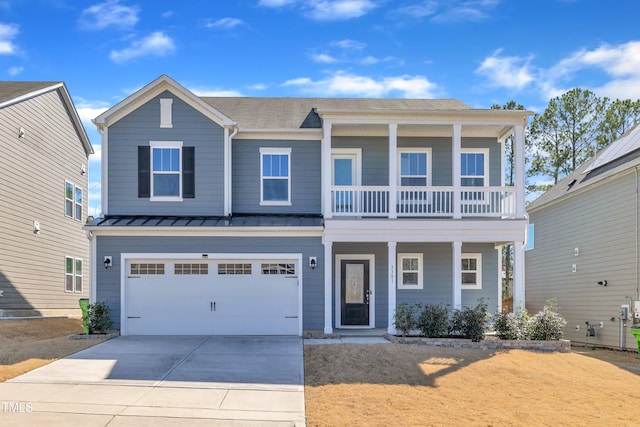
394, 384
26, 344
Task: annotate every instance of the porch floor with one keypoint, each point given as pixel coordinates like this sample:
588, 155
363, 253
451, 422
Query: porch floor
376, 332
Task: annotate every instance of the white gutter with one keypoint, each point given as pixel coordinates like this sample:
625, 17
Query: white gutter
228, 197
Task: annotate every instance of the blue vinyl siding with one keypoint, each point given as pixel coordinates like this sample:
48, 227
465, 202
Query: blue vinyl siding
189, 126
304, 175
108, 280
375, 157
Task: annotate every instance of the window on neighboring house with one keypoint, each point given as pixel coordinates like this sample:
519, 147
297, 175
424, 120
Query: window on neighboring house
166, 171
73, 274
414, 168
72, 201
410, 274
275, 186
471, 271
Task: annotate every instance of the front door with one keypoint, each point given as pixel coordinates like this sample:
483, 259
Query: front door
355, 292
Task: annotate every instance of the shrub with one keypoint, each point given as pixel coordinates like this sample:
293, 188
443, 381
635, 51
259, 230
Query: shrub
547, 324
470, 322
512, 326
404, 319
434, 320
98, 315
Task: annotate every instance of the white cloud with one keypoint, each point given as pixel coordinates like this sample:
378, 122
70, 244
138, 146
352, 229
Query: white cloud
88, 110
323, 58
258, 86
335, 10
345, 84
199, 91
7, 33
224, 23
449, 11
348, 44
14, 71
108, 14
275, 3
369, 60
511, 72
156, 44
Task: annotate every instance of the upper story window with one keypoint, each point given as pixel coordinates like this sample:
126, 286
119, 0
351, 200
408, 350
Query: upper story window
410, 271
166, 171
474, 169
471, 271
73, 201
275, 179
414, 168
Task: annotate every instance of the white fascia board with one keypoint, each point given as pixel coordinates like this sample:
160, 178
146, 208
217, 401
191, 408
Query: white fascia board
212, 256
405, 230
487, 117
286, 134
283, 232
152, 90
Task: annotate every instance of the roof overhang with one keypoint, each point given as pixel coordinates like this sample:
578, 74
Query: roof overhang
153, 89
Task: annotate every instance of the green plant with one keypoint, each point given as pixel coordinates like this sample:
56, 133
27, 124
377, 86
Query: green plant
470, 322
404, 318
547, 324
512, 326
98, 317
434, 320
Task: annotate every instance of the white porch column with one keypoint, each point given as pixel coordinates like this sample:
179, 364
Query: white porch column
457, 274
393, 169
456, 148
519, 172
518, 276
326, 170
392, 286
328, 276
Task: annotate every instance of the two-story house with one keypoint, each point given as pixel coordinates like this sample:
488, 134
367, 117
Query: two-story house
44, 151
281, 215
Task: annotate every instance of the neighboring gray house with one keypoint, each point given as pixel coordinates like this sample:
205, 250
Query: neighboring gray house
586, 246
44, 251
284, 215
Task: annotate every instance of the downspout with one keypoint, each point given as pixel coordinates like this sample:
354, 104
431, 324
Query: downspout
229, 173
637, 247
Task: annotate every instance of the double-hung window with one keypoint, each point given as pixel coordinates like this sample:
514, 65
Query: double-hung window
471, 271
275, 176
410, 271
474, 171
166, 170
73, 201
73, 274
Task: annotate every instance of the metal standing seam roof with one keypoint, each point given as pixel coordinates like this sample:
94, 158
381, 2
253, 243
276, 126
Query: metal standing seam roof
209, 221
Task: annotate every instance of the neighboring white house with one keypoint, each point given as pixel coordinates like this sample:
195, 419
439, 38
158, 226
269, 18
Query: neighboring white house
586, 247
237, 215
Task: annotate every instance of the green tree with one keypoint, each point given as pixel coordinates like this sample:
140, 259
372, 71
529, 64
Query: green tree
565, 135
619, 117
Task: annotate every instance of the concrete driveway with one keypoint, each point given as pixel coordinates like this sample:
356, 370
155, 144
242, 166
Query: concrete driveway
152, 380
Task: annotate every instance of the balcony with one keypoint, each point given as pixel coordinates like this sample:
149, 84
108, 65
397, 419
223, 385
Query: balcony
427, 202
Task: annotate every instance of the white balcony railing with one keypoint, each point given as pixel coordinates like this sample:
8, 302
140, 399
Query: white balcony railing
373, 201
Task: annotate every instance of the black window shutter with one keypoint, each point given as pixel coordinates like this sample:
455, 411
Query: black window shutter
188, 173
144, 171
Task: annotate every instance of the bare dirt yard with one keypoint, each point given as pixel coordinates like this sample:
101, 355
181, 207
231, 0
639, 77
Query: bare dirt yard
409, 385
26, 344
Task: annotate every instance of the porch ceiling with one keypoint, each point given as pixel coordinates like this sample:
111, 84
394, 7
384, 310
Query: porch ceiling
425, 130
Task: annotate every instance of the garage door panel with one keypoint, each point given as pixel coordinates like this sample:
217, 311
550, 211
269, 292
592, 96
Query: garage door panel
218, 304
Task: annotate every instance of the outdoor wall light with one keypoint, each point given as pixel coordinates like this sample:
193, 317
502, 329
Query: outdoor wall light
602, 283
107, 261
21, 133
313, 262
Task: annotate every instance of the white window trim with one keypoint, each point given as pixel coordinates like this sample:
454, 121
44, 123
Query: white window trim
76, 204
478, 258
409, 150
400, 270
166, 114
165, 144
485, 152
344, 153
73, 274
72, 200
271, 150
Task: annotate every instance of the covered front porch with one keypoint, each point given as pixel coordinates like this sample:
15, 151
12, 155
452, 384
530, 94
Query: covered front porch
369, 270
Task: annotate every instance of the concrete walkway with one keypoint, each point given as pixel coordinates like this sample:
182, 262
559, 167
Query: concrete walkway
151, 381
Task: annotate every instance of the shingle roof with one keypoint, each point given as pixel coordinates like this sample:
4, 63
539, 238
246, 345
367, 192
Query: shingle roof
12, 90
294, 113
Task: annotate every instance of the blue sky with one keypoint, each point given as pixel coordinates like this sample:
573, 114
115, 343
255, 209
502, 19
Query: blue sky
479, 51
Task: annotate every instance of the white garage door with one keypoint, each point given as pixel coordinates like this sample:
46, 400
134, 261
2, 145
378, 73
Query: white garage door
212, 297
